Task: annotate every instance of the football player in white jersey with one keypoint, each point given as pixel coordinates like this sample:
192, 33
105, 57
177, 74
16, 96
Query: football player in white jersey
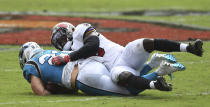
87, 75
125, 64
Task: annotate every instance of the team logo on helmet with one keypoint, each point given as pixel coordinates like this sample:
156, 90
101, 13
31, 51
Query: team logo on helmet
27, 50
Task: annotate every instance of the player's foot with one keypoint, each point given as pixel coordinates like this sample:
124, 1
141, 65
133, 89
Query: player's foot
162, 85
157, 58
168, 68
196, 47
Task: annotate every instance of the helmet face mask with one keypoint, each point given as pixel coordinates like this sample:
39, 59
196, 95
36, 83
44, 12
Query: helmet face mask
59, 38
61, 33
22, 58
26, 52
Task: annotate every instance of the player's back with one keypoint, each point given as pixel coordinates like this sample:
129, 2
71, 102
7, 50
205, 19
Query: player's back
41, 66
108, 52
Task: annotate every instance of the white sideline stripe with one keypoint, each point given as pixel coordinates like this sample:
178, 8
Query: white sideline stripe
8, 49
11, 70
53, 101
8, 25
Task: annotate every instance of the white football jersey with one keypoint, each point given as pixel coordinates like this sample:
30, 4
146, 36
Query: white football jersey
108, 52
99, 80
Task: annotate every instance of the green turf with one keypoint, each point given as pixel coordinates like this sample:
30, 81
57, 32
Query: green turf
190, 88
194, 21
116, 5
102, 5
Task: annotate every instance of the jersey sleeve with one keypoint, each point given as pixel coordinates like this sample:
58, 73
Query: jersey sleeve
82, 30
28, 70
85, 42
90, 48
90, 31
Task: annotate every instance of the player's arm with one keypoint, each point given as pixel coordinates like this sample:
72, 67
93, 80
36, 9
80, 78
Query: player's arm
58, 89
37, 86
90, 48
91, 45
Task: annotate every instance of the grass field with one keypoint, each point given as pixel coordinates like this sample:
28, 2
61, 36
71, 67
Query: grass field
190, 88
118, 5
103, 5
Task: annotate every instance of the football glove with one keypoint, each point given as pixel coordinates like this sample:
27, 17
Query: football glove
58, 60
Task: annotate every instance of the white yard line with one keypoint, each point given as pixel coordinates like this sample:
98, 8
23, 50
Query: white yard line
49, 101
207, 93
58, 101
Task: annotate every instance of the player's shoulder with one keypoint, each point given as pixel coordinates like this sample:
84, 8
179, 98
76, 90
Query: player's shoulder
50, 52
81, 28
31, 68
83, 25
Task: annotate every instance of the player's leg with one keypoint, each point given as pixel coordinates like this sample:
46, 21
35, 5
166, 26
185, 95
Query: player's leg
94, 79
134, 55
145, 46
173, 46
155, 61
166, 68
125, 76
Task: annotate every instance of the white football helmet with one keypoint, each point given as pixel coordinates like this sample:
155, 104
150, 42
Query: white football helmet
27, 50
61, 33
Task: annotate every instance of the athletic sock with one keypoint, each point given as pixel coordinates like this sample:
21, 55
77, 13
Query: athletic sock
151, 76
138, 82
166, 45
183, 47
152, 85
145, 69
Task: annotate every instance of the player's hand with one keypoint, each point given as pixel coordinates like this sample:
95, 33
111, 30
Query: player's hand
58, 60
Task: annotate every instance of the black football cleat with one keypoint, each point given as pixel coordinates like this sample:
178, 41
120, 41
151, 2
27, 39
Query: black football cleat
196, 48
162, 85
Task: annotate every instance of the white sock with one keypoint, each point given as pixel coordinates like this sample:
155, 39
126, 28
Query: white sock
183, 47
152, 85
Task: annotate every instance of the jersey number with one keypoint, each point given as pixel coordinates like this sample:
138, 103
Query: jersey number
48, 57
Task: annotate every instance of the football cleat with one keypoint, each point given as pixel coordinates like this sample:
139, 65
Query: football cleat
196, 47
157, 58
168, 68
162, 85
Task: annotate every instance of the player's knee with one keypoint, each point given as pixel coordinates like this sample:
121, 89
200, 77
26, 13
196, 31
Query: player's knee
148, 45
123, 77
